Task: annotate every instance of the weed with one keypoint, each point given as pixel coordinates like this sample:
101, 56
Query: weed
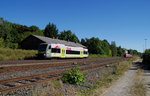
140, 71
20, 58
74, 76
56, 83
138, 89
107, 79
49, 90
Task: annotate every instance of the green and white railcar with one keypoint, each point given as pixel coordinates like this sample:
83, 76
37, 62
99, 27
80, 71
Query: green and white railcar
61, 51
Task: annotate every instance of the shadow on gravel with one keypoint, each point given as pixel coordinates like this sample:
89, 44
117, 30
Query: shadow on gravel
42, 58
146, 74
144, 67
148, 85
134, 67
146, 71
32, 58
38, 58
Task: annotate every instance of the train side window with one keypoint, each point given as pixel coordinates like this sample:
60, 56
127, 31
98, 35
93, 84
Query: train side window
54, 50
72, 52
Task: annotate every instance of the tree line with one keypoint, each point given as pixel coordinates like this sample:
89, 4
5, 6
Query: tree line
146, 58
12, 34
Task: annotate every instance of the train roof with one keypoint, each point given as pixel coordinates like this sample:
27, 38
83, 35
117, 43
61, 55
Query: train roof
57, 41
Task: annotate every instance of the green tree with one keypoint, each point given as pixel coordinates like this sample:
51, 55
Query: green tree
83, 42
134, 52
146, 57
33, 28
94, 46
106, 47
1, 42
120, 51
51, 31
113, 48
5, 32
74, 38
68, 36
12, 34
23, 28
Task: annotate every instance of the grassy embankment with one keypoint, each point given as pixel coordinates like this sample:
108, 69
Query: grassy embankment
98, 56
16, 54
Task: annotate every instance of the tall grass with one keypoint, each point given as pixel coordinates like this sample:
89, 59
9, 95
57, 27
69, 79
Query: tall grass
49, 89
108, 79
16, 54
98, 56
138, 88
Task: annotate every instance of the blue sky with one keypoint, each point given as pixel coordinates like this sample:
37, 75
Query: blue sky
127, 22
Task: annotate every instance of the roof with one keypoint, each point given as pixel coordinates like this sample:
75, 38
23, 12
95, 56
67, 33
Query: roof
57, 41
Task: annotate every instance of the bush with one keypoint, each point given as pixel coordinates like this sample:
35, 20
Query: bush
13, 45
1, 42
74, 76
146, 57
20, 58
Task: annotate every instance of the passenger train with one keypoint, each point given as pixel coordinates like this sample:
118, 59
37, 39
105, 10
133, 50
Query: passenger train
128, 55
61, 51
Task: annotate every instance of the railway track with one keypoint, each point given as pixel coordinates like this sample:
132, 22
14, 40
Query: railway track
25, 67
51, 61
13, 84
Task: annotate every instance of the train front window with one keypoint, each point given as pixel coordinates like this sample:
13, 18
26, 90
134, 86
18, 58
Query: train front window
54, 50
85, 52
42, 48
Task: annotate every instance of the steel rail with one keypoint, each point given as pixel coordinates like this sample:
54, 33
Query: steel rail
52, 73
86, 69
58, 64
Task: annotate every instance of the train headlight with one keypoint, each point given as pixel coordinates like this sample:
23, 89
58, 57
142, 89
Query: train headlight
47, 54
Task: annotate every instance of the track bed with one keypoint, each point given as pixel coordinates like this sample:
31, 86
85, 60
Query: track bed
24, 76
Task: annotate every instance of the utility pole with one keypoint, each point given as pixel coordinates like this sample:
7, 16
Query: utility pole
143, 48
145, 43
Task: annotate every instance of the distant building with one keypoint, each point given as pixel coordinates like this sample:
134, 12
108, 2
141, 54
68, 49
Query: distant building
32, 42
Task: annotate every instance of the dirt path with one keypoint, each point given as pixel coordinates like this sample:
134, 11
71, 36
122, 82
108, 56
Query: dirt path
122, 86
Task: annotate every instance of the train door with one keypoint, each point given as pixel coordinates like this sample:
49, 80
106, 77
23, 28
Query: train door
63, 53
49, 49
